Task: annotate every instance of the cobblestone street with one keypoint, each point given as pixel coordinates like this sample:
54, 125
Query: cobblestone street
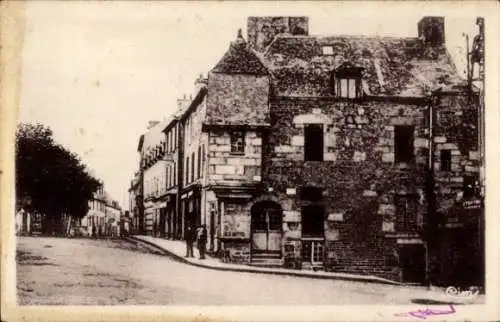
57, 271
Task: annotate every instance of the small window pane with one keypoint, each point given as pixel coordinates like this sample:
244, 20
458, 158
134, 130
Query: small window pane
343, 87
352, 88
327, 50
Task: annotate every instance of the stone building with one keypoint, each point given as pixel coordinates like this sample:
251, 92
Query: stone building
174, 219
135, 203
345, 153
313, 151
93, 224
152, 152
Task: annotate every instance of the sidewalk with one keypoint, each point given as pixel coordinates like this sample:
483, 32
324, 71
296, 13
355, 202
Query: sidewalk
177, 249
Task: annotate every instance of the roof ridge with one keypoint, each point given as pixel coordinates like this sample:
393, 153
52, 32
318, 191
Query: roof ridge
286, 35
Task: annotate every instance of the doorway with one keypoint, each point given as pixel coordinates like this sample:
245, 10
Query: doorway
412, 262
266, 224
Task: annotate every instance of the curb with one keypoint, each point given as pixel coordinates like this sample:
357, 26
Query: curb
244, 269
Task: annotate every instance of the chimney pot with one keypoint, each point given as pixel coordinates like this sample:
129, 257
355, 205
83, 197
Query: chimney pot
431, 30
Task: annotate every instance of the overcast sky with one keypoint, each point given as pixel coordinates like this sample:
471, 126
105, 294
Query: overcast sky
97, 72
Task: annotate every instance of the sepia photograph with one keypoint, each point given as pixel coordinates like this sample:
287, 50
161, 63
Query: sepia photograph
224, 154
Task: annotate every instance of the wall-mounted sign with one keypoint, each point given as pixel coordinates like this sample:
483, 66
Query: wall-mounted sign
338, 216
472, 204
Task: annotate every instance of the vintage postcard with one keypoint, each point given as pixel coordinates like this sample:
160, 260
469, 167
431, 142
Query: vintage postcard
274, 161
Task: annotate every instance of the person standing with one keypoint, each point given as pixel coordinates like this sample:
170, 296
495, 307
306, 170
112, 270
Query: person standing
202, 241
189, 236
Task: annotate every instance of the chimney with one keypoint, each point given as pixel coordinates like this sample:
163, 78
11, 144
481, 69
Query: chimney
431, 31
182, 103
152, 123
199, 83
261, 31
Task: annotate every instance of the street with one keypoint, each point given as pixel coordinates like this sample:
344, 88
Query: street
60, 271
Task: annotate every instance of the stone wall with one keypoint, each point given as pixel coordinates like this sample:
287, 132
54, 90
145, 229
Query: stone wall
456, 131
225, 166
359, 176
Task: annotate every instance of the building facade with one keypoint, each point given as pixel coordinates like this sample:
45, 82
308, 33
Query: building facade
94, 223
154, 178
345, 153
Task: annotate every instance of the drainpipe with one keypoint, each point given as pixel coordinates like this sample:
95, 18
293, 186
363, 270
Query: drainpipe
431, 222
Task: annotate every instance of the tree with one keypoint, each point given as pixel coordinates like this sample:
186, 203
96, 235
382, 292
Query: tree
51, 177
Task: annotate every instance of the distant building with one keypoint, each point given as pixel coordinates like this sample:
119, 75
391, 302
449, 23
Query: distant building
154, 178
94, 223
113, 218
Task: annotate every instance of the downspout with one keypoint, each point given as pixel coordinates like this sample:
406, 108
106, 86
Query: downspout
431, 222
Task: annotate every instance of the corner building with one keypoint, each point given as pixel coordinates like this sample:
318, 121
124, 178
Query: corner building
313, 152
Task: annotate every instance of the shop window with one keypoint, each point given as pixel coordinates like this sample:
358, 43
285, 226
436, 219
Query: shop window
406, 212
237, 142
445, 160
313, 142
312, 251
404, 143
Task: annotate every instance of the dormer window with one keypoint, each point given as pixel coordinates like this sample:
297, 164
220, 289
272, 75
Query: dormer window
327, 50
347, 81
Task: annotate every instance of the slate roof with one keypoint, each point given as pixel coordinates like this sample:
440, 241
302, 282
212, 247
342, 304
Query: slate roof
392, 66
297, 67
238, 88
240, 59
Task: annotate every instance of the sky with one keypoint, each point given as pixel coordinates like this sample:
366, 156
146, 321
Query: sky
97, 72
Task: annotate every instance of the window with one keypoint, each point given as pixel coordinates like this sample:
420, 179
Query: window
238, 142
347, 81
347, 88
327, 50
312, 211
202, 158
313, 142
445, 160
470, 186
187, 170
175, 178
403, 143
192, 166
312, 251
199, 162
406, 212
168, 177
175, 136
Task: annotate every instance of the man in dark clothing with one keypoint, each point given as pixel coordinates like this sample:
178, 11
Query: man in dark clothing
190, 236
202, 241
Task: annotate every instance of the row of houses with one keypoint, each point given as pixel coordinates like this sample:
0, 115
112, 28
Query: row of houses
345, 153
104, 217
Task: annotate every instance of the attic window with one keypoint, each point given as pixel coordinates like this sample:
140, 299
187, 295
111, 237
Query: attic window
327, 50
